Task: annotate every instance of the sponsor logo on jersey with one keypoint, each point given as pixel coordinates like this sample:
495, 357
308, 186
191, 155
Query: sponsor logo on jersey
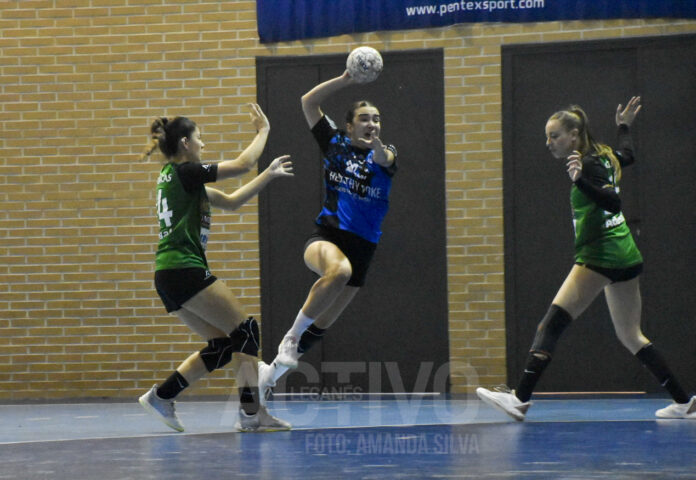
614, 221
355, 169
164, 178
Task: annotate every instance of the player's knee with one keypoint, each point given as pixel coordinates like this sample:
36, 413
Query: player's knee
217, 354
549, 331
243, 339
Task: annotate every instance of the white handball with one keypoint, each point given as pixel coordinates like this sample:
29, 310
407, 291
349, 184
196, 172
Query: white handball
364, 64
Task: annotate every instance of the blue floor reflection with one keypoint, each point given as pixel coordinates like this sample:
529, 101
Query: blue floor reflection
416, 438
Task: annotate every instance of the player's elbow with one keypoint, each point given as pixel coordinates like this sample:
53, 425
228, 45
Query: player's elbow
232, 206
229, 203
309, 104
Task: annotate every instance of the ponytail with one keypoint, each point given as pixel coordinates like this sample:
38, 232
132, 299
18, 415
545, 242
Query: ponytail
575, 118
157, 132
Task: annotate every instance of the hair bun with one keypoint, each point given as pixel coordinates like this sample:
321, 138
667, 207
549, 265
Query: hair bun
158, 127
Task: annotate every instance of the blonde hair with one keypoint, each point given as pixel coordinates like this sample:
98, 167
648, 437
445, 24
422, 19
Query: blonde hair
575, 117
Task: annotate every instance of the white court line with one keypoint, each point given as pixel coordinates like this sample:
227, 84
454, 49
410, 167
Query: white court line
61, 440
304, 429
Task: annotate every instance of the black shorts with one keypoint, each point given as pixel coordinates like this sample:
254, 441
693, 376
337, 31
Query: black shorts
358, 250
617, 274
176, 286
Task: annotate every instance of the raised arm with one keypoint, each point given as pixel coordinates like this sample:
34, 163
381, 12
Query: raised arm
248, 158
625, 116
312, 100
624, 119
280, 167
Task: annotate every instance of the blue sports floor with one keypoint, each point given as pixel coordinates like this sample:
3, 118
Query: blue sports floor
413, 438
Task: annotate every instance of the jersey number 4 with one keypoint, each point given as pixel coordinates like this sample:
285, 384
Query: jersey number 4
163, 211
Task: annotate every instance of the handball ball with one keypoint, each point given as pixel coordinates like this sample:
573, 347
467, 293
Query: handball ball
364, 64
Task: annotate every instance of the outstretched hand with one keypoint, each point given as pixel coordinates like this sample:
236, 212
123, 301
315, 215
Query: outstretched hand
281, 167
574, 165
629, 113
258, 118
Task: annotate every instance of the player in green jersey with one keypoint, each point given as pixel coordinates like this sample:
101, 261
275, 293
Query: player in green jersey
606, 259
182, 277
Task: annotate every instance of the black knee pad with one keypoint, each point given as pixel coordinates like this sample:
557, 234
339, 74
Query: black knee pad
218, 353
245, 338
312, 335
550, 329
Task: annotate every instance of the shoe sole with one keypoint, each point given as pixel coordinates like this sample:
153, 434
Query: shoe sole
689, 414
262, 429
152, 411
675, 417
492, 401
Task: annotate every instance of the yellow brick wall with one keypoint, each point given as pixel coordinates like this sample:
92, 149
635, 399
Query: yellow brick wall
80, 81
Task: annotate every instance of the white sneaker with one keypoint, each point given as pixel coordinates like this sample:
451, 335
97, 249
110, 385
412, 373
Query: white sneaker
287, 352
266, 381
261, 421
679, 410
505, 401
162, 409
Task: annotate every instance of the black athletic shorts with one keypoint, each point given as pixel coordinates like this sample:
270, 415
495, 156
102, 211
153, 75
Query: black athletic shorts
617, 274
358, 250
176, 286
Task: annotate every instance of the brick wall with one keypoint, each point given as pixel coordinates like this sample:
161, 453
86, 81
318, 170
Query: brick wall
80, 81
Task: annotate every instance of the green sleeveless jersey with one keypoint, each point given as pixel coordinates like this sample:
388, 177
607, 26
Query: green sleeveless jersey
184, 220
602, 238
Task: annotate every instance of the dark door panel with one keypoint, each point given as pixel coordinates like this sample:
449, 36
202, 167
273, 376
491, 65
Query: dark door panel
398, 321
537, 81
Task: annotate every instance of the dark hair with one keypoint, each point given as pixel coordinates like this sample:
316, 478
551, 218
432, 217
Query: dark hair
361, 103
166, 135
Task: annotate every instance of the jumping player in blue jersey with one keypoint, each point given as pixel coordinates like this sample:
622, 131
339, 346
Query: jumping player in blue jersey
358, 169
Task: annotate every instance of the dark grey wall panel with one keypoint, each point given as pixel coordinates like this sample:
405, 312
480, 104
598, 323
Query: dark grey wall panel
657, 193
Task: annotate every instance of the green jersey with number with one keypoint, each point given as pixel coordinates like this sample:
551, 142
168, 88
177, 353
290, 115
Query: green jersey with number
184, 220
602, 238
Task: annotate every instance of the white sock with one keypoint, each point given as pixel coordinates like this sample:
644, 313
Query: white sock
278, 370
302, 322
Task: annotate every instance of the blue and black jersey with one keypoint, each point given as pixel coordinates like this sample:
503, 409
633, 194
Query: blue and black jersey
356, 188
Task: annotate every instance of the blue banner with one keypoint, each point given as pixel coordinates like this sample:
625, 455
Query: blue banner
281, 20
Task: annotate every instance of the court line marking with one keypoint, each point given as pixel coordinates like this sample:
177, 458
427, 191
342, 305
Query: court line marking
309, 429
